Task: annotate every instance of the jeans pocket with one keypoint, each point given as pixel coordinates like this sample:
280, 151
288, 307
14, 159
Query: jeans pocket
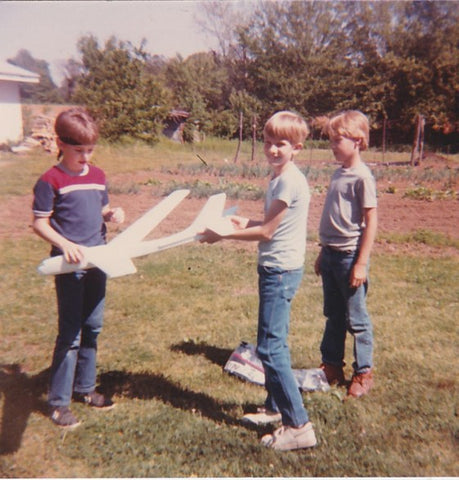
267, 270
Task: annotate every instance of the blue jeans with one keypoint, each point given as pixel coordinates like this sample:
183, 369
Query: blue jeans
345, 309
80, 302
276, 290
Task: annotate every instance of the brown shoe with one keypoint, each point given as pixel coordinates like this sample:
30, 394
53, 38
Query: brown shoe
94, 399
361, 384
333, 373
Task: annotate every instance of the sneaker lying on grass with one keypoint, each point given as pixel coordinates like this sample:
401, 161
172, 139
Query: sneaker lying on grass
262, 417
290, 438
63, 417
94, 399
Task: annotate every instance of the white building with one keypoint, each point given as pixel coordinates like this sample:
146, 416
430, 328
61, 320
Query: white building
10, 100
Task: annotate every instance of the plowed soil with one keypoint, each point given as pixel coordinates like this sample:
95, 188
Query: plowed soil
396, 213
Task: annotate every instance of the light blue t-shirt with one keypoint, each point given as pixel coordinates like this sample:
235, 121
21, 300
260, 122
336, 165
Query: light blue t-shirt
351, 190
286, 250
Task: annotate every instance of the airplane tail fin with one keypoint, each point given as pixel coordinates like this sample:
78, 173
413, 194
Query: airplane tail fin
212, 210
212, 216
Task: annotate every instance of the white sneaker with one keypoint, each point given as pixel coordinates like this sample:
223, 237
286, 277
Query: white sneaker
262, 417
290, 438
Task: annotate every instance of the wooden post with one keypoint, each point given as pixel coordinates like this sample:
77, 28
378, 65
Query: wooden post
240, 138
418, 144
384, 139
254, 136
421, 139
310, 148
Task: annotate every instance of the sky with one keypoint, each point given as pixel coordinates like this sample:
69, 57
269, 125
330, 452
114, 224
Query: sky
49, 30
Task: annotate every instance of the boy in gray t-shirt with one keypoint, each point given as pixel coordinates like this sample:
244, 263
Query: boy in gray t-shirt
347, 232
282, 242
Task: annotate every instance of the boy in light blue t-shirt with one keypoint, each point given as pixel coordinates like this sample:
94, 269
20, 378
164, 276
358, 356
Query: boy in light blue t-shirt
282, 243
347, 233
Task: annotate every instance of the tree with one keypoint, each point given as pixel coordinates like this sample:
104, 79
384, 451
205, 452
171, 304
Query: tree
117, 88
407, 62
242, 102
71, 70
222, 20
43, 92
390, 59
297, 56
200, 85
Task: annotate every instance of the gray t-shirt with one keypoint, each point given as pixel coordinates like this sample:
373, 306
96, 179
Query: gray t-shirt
286, 249
350, 191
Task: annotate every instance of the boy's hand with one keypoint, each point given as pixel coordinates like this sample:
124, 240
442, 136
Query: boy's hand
115, 215
208, 236
358, 275
317, 264
72, 252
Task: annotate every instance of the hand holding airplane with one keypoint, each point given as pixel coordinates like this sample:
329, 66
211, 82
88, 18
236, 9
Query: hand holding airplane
115, 258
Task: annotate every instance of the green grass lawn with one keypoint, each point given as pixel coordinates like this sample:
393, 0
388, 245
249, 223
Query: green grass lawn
169, 330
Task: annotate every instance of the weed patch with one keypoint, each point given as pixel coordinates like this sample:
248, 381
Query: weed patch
425, 237
429, 194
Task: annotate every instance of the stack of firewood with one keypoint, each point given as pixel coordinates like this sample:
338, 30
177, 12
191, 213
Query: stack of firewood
42, 133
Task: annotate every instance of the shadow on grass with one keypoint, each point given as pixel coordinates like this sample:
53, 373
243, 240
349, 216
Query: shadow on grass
21, 396
216, 355
219, 356
146, 386
149, 385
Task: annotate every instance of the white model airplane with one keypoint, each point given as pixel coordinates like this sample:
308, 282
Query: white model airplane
114, 258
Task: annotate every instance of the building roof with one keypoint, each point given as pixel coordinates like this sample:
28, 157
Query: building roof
12, 73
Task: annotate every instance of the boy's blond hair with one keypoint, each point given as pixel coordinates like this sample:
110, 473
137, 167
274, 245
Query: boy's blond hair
352, 124
287, 126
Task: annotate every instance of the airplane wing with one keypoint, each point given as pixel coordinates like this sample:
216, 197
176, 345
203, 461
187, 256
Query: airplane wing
141, 227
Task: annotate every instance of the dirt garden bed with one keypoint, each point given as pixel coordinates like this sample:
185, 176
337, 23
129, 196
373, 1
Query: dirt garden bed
397, 215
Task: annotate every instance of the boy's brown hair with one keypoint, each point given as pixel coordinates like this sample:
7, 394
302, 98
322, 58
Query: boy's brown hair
75, 126
287, 125
351, 124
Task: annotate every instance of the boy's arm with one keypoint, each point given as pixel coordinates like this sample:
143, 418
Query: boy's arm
72, 252
359, 272
252, 230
